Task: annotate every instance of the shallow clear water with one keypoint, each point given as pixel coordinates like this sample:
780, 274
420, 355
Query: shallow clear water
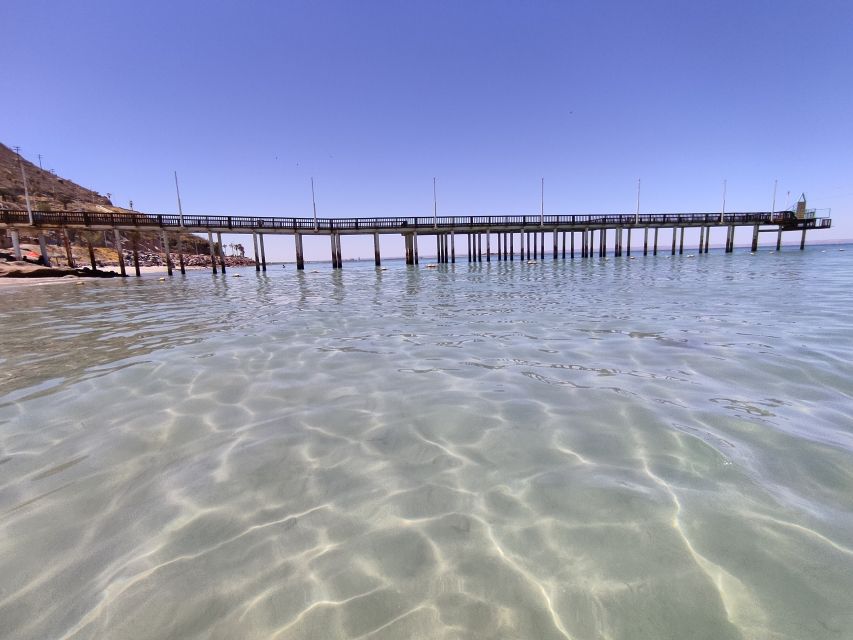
648, 448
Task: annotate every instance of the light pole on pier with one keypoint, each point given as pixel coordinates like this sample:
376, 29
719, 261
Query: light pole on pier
723, 212
637, 216
178, 191
26, 189
542, 204
314, 204
434, 206
773, 208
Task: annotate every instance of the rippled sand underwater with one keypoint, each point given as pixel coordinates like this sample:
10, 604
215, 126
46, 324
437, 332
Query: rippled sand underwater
651, 448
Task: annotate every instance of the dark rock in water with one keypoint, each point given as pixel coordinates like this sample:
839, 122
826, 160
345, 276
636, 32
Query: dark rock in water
21, 269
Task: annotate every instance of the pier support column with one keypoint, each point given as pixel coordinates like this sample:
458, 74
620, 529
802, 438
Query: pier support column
334, 250
415, 247
45, 258
181, 255
535, 245
511, 247
590, 249
681, 242
645, 241
258, 255
488, 246
468, 236
120, 252
754, 238
572, 241
542, 246
478, 250
166, 250
377, 259
707, 239
134, 245
674, 234
212, 247
91, 249
263, 254
438, 248
628, 244
526, 253
728, 239
803, 240
222, 251
452, 247
555, 244
564, 245
16, 244
300, 254
655, 246
408, 248
779, 240
69, 255
701, 239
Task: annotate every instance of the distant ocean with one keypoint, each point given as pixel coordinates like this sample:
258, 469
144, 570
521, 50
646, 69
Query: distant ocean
648, 448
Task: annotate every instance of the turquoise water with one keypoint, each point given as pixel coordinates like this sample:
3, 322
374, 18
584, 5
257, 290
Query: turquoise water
657, 447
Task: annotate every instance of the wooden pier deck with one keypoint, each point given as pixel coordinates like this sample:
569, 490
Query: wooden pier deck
530, 231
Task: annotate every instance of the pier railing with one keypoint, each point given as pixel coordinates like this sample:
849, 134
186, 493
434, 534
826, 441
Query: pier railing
402, 224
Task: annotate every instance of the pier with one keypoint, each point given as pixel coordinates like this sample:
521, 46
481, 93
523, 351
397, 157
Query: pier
481, 238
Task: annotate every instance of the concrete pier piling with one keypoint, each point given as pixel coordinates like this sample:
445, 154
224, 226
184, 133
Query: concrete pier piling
165, 251
646, 241
212, 248
258, 255
45, 258
681, 242
134, 245
701, 239
628, 243
117, 237
674, 235
263, 254
754, 239
300, 254
181, 263
803, 240
655, 245
16, 244
222, 251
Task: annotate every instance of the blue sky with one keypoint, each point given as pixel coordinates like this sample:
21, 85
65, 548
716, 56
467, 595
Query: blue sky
248, 100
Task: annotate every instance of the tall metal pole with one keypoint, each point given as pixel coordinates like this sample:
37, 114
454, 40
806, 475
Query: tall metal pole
434, 205
26, 192
637, 217
314, 204
542, 204
178, 191
773, 208
723, 212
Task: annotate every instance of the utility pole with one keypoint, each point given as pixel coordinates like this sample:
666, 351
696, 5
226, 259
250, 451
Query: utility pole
723, 212
40, 167
637, 216
314, 204
26, 189
542, 203
178, 191
773, 208
434, 206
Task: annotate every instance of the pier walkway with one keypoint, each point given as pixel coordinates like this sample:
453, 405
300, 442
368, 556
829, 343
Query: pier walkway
530, 232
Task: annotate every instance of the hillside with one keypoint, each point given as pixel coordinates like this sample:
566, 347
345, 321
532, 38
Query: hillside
49, 192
